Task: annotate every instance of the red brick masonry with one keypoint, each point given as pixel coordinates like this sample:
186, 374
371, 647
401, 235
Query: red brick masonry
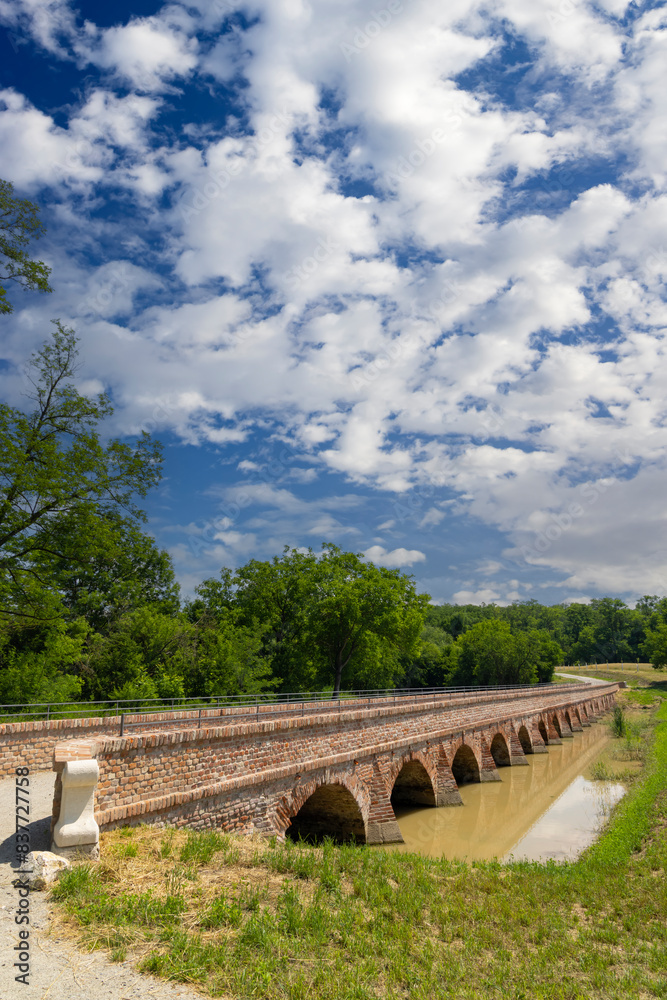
256, 775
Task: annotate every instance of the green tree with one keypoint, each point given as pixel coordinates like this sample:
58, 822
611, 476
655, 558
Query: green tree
488, 653
144, 654
58, 483
279, 595
612, 628
361, 609
428, 668
545, 653
118, 568
586, 648
41, 662
229, 643
19, 224
654, 647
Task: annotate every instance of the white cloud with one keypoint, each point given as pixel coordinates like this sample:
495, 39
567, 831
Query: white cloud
148, 52
396, 559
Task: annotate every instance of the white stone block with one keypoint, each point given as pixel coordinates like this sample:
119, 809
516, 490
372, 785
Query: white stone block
76, 826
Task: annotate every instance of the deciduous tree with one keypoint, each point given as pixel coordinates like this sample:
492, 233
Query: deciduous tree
58, 482
19, 224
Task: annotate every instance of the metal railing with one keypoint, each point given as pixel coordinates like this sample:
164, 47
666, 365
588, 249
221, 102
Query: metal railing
240, 706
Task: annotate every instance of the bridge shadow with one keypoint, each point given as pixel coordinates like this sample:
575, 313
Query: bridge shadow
330, 812
413, 786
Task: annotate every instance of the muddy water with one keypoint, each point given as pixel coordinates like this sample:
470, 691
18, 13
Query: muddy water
545, 810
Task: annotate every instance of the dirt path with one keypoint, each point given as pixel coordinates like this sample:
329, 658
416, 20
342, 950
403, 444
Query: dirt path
58, 970
579, 677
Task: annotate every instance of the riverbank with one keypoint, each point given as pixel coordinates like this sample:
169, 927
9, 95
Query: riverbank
247, 918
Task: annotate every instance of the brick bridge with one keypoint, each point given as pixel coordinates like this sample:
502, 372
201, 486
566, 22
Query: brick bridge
336, 771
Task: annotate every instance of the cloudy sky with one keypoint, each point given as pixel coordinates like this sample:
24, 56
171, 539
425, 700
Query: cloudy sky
390, 276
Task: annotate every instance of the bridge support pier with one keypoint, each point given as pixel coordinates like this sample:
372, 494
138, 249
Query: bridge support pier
565, 731
447, 791
387, 832
517, 756
381, 827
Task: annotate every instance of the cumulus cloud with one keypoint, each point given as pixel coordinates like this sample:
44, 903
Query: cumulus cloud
396, 559
438, 284
148, 52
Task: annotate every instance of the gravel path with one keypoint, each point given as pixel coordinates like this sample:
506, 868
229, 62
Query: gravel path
58, 970
578, 677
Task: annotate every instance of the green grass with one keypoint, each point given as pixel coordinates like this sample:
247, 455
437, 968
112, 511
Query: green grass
250, 919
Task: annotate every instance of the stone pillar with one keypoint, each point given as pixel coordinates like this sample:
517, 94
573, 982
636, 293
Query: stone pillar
447, 793
565, 731
381, 827
75, 831
552, 732
517, 756
488, 771
539, 746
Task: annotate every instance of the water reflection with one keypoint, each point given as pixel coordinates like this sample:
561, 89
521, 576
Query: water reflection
571, 824
525, 814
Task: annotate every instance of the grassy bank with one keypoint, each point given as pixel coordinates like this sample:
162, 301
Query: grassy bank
246, 918
634, 674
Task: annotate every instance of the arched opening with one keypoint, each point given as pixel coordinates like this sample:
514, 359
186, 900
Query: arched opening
578, 716
543, 732
524, 740
568, 719
500, 751
556, 724
331, 811
413, 786
464, 766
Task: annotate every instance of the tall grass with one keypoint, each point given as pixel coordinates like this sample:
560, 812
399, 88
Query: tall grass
618, 724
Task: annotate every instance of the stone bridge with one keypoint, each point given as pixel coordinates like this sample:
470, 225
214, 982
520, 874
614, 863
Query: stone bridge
338, 770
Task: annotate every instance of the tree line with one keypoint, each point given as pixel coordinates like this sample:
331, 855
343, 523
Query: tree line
90, 608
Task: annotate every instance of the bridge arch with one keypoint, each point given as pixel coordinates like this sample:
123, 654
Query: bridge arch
524, 739
568, 719
326, 809
541, 725
413, 784
464, 766
555, 722
500, 751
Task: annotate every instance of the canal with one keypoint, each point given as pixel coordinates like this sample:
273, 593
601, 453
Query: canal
546, 810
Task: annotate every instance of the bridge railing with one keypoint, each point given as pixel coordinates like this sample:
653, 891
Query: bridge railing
138, 712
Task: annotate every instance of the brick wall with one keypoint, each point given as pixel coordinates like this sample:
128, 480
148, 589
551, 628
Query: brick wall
30, 744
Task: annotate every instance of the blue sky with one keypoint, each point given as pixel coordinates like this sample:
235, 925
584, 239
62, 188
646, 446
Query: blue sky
390, 276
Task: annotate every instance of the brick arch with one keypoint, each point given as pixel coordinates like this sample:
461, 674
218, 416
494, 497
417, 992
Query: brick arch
578, 715
523, 736
332, 810
465, 765
568, 718
499, 749
413, 780
399, 760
